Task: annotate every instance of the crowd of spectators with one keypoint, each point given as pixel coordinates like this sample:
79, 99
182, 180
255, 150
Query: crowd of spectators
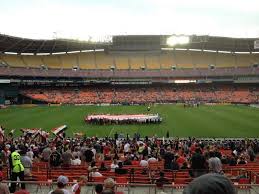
196, 156
146, 94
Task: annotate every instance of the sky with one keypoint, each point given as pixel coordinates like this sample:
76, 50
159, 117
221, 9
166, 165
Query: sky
100, 19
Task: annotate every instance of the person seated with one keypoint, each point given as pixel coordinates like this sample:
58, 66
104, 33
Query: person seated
103, 167
161, 180
114, 165
242, 174
127, 161
211, 183
120, 169
241, 160
144, 162
95, 172
151, 159
93, 165
76, 161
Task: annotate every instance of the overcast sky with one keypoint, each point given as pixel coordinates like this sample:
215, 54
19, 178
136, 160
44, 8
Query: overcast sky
79, 19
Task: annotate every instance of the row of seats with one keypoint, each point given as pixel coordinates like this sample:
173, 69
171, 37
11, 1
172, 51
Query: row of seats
87, 95
101, 60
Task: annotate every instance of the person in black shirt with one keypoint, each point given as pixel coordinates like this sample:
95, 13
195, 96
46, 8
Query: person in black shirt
120, 170
103, 167
161, 180
198, 163
89, 155
168, 157
55, 158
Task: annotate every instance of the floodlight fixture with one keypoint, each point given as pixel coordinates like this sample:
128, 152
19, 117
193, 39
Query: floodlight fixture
177, 40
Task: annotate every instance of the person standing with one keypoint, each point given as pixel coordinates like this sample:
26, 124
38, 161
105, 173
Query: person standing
17, 169
3, 187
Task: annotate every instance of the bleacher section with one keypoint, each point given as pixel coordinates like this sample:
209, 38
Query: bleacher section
148, 94
181, 59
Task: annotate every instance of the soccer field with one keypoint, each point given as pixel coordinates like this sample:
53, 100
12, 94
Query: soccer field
205, 121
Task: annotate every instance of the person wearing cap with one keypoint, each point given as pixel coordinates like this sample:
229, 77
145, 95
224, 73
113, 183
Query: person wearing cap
211, 183
17, 169
62, 182
3, 187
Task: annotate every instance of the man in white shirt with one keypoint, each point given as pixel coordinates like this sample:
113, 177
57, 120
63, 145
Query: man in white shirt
76, 161
126, 148
144, 162
151, 159
95, 172
114, 165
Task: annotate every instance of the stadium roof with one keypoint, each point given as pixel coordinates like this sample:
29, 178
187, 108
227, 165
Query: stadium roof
19, 45
24, 45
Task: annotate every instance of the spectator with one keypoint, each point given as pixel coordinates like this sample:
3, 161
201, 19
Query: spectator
144, 162
95, 172
210, 183
127, 161
89, 155
198, 163
57, 191
93, 165
67, 158
55, 158
76, 161
26, 162
103, 167
76, 188
242, 174
120, 169
62, 183
151, 159
168, 157
242, 160
3, 187
161, 180
98, 189
46, 154
22, 191
109, 186
114, 165
215, 165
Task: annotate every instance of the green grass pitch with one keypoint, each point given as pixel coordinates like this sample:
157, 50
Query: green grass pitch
205, 121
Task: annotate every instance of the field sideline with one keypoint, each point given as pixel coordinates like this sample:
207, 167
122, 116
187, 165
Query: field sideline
205, 121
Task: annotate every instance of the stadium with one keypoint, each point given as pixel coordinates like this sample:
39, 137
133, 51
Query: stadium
129, 114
